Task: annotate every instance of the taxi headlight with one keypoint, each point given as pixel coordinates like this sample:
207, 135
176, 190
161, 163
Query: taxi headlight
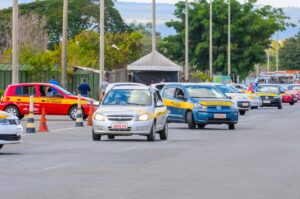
200, 106
99, 117
143, 117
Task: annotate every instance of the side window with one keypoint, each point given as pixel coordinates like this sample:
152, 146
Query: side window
169, 93
25, 91
179, 94
157, 99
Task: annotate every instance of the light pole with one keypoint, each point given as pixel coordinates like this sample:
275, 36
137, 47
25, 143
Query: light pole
64, 59
186, 71
210, 40
15, 46
277, 52
229, 38
101, 74
153, 25
268, 59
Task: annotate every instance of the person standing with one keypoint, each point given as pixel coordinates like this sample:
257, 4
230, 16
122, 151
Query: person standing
84, 88
53, 81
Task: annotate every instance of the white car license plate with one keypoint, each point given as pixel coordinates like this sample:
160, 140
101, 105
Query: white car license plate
266, 101
119, 125
220, 116
245, 104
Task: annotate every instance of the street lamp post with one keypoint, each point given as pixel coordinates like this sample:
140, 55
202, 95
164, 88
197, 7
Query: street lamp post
229, 38
101, 74
15, 46
210, 40
153, 25
186, 74
64, 60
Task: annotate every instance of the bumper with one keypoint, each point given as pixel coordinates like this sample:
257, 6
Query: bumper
204, 117
2, 142
243, 105
133, 128
271, 102
256, 103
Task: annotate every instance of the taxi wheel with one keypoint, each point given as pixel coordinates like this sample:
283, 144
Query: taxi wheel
231, 126
151, 136
190, 120
292, 103
111, 137
242, 112
1, 146
96, 137
12, 110
201, 126
163, 135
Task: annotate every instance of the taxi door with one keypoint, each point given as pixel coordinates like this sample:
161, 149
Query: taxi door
160, 111
22, 98
168, 97
178, 101
53, 103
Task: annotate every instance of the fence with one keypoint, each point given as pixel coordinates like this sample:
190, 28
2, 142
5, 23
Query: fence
44, 76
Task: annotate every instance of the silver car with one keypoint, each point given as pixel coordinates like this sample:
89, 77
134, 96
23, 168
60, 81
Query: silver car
131, 110
10, 129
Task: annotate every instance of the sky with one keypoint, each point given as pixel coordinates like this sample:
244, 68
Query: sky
274, 3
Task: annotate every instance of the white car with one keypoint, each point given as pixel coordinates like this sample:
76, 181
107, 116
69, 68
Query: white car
255, 100
10, 129
131, 110
240, 99
110, 86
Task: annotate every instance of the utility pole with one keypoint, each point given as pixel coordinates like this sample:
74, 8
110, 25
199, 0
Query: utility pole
210, 40
15, 45
64, 58
186, 74
229, 38
101, 74
277, 53
268, 59
153, 25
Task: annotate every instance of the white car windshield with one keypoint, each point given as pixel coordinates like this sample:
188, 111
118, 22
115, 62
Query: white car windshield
267, 89
227, 89
128, 97
204, 92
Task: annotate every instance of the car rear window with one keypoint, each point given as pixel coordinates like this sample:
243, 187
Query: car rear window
25, 91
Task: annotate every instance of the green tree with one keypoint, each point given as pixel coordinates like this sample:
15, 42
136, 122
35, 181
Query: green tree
251, 29
289, 54
83, 15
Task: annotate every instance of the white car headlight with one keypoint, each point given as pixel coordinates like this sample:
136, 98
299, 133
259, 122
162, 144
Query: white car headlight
99, 117
143, 117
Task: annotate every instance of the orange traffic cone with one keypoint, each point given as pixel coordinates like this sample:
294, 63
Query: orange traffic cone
43, 126
91, 112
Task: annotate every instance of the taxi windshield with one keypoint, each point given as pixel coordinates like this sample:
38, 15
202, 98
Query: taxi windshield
227, 89
62, 90
267, 89
204, 92
128, 97
296, 87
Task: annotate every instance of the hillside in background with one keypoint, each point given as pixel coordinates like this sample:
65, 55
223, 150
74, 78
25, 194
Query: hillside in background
142, 13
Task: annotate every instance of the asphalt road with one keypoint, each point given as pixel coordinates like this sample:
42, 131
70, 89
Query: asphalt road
258, 160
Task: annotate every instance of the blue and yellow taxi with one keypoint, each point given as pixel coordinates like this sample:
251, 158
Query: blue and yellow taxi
198, 105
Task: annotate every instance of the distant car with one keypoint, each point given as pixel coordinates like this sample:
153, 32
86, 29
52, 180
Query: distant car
112, 85
131, 110
289, 96
55, 100
240, 99
240, 87
10, 129
198, 105
255, 100
270, 94
295, 88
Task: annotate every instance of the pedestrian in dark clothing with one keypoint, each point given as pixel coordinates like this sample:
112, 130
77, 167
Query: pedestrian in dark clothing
84, 88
